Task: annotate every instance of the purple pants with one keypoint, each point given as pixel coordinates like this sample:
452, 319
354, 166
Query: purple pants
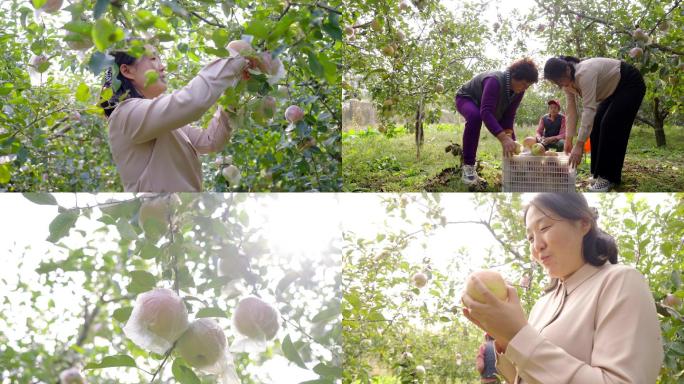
473, 124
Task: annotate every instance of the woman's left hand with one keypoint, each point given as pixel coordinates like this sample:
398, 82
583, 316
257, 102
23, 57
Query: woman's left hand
501, 319
576, 155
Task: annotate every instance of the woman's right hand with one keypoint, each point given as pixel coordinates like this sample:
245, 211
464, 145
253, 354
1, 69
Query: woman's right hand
507, 144
567, 147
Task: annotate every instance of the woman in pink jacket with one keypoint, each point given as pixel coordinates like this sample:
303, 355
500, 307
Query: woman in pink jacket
597, 322
154, 147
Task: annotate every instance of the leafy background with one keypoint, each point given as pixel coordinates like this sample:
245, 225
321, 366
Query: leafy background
67, 297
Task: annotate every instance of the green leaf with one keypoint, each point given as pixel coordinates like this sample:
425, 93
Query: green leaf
185, 279
141, 281
220, 38
282, 26
329, 69
122, 314
678, 348
211, 312
100, 8
332, 27
98, 62
164, 37
151, 77
183, 373
6, 88
145, 18
676, 279
328, 370
82, 93
113, 361
326, 315
38, 3
126, 229
80, 27
162, 25
122, 209
40, 198
315, 64
243, 218
60, 225
288, 279
291, 352
376, 316
105, 33
629, 223
47, 267
353, 299
149, 251
107, 94
258, 29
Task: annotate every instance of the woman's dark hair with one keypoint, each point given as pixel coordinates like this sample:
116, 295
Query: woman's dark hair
126, 89
555, 67
524, 69
597, 245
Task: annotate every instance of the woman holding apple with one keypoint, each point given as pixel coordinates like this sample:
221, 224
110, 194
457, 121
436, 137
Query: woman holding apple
154, 147
597, 322
611, 92
493, 98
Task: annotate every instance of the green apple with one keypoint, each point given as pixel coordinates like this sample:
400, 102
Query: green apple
203, 344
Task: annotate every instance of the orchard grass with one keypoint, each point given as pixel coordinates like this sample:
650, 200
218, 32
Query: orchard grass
373, 162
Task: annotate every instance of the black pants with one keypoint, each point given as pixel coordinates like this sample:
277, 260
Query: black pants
613, 124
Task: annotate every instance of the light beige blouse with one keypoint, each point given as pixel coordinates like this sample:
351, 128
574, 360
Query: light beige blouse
599, 326
154, 148
595, 80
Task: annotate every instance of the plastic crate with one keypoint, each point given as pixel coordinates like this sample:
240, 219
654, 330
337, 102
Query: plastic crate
527, 173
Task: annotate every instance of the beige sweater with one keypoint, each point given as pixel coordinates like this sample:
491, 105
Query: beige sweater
599, 326
154, 148
595, 80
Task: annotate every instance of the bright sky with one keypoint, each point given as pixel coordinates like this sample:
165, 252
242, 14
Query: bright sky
296, 226
505, 8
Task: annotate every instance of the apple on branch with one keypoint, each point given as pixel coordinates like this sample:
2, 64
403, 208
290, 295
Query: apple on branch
419, 279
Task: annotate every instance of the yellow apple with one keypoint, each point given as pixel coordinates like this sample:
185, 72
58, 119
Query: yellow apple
419, 279
518, 148
492, 280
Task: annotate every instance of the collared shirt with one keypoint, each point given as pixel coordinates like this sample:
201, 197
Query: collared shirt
154, 147
595, 80
599, 326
